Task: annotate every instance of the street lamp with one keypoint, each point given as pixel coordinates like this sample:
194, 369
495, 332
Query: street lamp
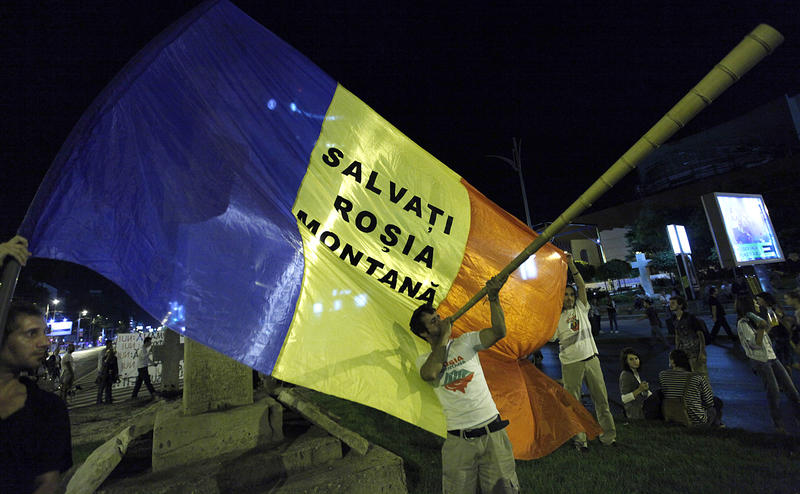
55, 302
82, 315
515, 162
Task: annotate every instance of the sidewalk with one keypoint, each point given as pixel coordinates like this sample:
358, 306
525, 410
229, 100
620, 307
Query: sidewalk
744, 397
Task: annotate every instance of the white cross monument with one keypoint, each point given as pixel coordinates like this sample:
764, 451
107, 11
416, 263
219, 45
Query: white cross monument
644, 277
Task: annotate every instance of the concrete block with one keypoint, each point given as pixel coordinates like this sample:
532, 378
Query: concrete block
315, 447
213, 381
377, 472
180, 439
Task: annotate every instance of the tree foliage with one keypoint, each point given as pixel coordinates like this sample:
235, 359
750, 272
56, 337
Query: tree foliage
648, 234
613, 270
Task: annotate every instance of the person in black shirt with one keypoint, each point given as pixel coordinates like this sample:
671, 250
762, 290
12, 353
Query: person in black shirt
718, 316
35, 443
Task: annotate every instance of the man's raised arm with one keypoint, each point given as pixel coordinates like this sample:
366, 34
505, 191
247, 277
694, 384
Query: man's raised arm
576, 275
490, 336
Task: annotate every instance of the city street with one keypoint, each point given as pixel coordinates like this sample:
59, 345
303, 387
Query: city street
86, 372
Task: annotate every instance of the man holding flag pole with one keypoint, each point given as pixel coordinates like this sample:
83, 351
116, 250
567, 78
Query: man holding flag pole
477, 448
579, 359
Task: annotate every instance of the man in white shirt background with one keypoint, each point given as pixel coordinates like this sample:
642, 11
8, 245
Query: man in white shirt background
144, 359
579, 358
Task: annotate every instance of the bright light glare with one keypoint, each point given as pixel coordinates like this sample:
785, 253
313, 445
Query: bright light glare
528, 270
673, 239
271, 104
678, 239
337, 305
360, 300
318, 308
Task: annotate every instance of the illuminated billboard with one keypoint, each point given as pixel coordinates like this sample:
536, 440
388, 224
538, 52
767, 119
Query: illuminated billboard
742, 229
59, 328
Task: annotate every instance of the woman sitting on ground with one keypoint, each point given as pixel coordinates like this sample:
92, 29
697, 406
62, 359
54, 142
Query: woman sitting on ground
633, 389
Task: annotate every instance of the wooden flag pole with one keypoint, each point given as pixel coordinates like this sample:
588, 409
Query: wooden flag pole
752, 49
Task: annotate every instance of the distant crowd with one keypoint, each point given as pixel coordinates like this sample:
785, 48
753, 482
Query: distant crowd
765, 331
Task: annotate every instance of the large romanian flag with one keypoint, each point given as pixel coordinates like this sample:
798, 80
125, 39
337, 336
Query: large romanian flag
237, 192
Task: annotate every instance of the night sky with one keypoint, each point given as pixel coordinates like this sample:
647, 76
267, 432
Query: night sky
578, 82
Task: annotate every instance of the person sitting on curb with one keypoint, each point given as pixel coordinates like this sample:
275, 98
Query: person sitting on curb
753, 334
635, 392
698, 405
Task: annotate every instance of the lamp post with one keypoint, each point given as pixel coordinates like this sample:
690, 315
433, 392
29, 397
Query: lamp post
82, 315
55, 302
515, 162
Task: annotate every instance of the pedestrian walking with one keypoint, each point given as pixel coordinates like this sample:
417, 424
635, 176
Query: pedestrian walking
144, 359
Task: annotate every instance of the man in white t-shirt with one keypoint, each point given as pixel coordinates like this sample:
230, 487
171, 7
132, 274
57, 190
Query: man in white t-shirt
578, 355
477, 450
144, 359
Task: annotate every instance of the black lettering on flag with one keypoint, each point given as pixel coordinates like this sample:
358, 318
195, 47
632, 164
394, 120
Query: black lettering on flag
368, 225
312, 226
326, 235
414, 204
344, 206
426, 256
332, 158
390, 237
354, 170
394, 194
352, 256
390, 278
373, 175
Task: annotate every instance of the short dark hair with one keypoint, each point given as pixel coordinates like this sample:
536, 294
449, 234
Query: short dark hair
680, 301
744, 304
623, 358
416, 325
20, 309
147, 340
712, 290
795, 294
680, 359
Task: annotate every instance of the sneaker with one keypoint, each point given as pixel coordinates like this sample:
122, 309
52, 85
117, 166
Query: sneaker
582, 448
